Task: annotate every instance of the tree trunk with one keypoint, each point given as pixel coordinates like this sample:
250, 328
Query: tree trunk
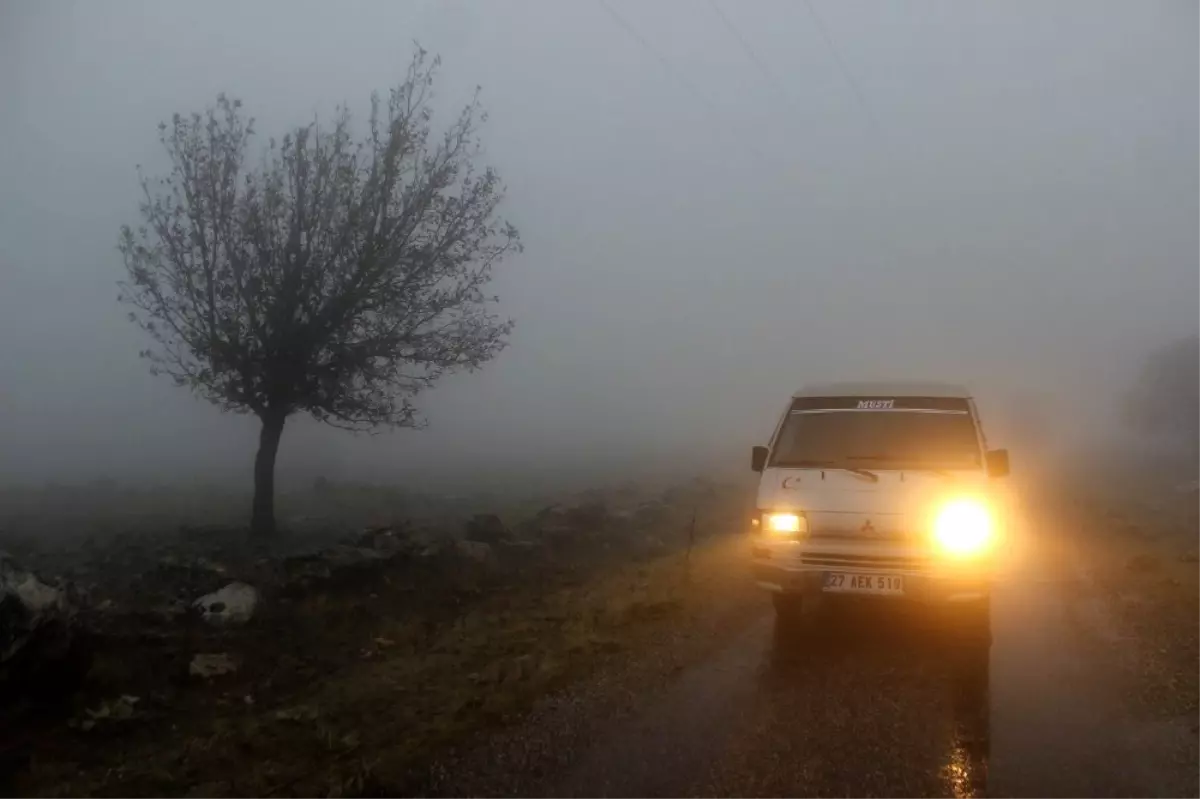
262, 520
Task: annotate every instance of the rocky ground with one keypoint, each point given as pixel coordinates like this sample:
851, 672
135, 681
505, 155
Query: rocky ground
487, 653
322, 664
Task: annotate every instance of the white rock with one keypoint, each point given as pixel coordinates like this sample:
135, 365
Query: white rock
36, 596
120, 709
36, 622
233, 604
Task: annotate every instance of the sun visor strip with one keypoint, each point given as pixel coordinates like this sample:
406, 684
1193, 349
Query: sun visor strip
932, 404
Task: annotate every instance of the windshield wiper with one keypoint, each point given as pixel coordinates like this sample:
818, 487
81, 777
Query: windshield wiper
809, 464
929, 469
874, 478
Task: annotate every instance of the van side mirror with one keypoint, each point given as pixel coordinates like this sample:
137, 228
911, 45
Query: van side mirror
758, 459
997, 463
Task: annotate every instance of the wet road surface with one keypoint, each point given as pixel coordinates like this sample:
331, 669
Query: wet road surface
866, 699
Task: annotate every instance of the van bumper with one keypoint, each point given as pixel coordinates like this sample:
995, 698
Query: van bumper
940, 586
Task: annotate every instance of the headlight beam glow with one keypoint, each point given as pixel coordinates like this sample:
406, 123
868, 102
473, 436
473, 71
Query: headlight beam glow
783, 523
963, 527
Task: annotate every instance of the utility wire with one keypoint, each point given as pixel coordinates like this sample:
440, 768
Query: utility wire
849, 76
674, 73
749, 51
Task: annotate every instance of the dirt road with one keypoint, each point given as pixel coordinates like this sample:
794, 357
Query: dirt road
862, 702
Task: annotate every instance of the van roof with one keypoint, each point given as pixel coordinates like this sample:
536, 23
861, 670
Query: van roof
884, 389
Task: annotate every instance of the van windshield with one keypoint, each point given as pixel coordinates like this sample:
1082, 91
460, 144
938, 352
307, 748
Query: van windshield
885, 439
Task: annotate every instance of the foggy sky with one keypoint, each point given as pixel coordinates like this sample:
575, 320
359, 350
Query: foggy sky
1000, 194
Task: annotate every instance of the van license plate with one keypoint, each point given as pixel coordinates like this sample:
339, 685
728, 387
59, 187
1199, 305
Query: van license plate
850, 583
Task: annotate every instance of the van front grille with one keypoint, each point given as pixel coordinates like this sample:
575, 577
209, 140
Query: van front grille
858, 535
904, 563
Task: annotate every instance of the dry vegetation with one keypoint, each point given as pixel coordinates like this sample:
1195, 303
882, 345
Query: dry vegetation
1137, 531
351, 687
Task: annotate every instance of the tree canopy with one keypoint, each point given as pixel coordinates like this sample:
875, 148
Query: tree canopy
336, 276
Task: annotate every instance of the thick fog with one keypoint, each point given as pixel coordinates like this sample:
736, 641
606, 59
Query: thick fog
718, 205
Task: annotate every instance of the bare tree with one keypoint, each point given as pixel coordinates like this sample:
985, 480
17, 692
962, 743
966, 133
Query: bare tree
1164, 403
337, 277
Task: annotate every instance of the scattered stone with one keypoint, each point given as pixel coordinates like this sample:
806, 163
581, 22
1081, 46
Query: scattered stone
432, 545
523, 547
212, 665
119, 709
385, 538
40, 650
304, 571
176, 572
475, 551
342, 565
348, 557
402, 540
487, 528
587, 516
145, 585
391, 541
233, 604
566, 524
32, 593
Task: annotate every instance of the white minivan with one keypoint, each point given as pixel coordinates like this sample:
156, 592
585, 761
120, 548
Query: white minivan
879, 489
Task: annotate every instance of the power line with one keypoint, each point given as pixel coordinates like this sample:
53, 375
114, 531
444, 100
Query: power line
846, 73
670, 70
749, 51
658, 56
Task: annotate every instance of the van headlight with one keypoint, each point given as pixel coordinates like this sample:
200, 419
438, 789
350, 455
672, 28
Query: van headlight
784, 523
963, 527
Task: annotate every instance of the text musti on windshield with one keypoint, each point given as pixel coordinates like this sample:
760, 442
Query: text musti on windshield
879, 433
